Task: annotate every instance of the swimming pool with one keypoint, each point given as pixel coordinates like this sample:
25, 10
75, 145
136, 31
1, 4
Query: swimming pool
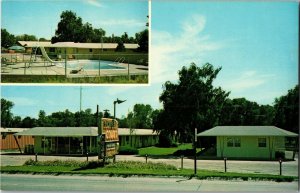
92, 64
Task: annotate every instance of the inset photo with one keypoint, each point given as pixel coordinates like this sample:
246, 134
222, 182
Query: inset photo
75, 42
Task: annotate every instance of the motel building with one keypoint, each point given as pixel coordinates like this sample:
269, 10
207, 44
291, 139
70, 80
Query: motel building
80, 140
76, 50
10, 141
252, 142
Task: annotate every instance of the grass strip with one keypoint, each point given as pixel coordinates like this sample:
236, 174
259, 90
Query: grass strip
132, 168
134, 79
165, 151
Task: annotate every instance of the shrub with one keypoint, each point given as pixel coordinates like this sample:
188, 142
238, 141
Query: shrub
136, 165
127, 150
69, 163
165, 140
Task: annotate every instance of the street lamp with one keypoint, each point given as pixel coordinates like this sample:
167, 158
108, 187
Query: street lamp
118, 101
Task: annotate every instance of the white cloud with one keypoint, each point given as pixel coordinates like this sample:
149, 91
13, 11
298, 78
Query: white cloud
121, 22
193, 26
21, 101
170, 52
94, 3
246, 80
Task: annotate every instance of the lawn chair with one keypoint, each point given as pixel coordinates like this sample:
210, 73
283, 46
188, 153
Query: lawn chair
76, 71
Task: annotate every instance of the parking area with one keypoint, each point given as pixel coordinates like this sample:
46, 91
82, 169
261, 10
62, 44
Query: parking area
289, 168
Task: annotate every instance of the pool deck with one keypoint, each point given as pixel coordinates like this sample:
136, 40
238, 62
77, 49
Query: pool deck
18, 69
46, 68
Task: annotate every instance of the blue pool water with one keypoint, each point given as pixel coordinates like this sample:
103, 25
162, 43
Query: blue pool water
92, 64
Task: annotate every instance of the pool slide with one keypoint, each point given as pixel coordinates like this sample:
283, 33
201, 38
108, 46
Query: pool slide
44, 53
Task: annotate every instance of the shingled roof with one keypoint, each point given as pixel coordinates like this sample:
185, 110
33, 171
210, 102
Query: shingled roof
247, 131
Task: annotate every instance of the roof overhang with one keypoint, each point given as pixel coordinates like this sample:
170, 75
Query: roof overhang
30, 44
247, 131
60, 131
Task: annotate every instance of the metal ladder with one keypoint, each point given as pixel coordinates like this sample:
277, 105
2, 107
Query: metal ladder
120, 59
31, 56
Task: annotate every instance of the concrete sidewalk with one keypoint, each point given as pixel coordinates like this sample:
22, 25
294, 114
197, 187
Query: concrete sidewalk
289, 168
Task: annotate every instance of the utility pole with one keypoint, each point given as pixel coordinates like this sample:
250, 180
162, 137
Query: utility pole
80, 104
195, 152
80, 98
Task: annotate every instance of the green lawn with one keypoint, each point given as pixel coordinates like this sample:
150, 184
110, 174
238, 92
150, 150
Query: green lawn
164, 151
62, 79
128, 168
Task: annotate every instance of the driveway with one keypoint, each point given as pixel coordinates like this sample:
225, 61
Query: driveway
289, 168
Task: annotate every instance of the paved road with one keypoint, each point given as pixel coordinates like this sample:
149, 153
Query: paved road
289, 168
134, 184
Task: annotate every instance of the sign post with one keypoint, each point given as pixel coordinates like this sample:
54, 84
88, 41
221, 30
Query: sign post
108, 138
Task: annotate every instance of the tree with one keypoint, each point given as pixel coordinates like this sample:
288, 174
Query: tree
120, 47
142, 116
160, 123
287, 110
43, 40
143, 40
16, 122
85, 118
69, 28
98, 35
241, 111
26, 37
87, 33
7, 39
6, 115
191, 103
125, 38
29, 122
63, 119
44, 120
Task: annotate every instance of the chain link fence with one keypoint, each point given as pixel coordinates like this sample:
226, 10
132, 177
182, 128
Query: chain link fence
75, 65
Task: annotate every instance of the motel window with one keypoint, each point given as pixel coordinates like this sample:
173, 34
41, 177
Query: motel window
91, 50
127, 138
262, 142
233, 142
237, 142
229, 142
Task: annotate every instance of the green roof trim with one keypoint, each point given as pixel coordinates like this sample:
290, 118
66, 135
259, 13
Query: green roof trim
60, 131
247, 131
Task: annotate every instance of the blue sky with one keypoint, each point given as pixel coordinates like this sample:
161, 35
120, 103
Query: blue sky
255, 43
40, 17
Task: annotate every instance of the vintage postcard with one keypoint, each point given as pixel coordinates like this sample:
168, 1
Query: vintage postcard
217, 112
